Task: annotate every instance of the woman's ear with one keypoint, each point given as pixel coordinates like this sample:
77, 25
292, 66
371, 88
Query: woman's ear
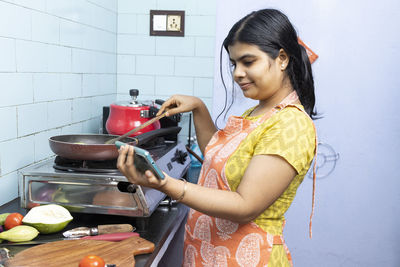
282, 59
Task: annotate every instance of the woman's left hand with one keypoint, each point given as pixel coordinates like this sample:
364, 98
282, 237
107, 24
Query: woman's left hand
125, 164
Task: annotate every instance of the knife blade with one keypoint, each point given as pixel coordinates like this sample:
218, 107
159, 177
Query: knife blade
99, 230
4, 255
106, 237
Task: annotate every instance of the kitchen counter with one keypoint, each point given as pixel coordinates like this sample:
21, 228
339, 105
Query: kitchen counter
164, 228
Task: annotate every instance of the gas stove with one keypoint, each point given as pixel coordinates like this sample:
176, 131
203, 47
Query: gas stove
98, 187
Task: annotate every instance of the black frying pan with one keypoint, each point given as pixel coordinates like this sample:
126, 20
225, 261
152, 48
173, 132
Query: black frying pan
92, 147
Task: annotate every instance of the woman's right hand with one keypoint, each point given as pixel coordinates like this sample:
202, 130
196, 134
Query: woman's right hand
179, 104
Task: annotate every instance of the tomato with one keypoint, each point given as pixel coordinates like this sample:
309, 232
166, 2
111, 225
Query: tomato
12, 220
92, 261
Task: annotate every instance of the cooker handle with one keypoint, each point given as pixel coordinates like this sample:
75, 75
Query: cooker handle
159, 101
175, 118
153, 110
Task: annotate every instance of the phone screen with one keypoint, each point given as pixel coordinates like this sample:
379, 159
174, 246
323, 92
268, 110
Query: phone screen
143, 161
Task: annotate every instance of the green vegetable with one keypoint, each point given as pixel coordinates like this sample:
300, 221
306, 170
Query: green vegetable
48, 219
3, 217
20, 233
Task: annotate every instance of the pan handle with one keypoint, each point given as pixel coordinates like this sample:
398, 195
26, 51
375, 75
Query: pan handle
146, 137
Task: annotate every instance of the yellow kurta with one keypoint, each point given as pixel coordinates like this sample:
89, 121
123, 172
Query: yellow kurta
289, 134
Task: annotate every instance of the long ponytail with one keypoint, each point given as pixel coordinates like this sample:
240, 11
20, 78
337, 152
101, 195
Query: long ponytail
301, 78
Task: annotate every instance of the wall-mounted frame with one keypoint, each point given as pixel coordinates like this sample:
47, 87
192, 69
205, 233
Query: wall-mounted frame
167, 23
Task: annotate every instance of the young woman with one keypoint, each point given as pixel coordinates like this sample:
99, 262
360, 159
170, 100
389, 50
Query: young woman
253, 167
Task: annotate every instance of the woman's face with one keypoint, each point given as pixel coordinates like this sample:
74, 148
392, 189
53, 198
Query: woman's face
259, 76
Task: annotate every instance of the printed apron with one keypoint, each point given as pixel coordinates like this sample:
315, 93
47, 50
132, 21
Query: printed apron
211, 241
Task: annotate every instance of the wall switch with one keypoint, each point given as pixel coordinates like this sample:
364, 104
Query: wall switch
160, 22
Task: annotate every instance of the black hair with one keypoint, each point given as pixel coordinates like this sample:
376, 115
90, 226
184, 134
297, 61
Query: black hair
270, 30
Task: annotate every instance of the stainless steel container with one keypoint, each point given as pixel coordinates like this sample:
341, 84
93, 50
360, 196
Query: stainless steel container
92, 192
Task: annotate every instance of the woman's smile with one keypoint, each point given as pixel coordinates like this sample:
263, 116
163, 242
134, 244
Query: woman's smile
245, 86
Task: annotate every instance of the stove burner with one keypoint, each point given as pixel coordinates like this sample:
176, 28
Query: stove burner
92, 166
157, 148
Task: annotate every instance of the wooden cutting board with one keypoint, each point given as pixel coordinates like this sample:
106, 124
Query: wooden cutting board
70, 252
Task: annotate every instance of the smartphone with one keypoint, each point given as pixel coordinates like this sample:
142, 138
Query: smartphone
143, 161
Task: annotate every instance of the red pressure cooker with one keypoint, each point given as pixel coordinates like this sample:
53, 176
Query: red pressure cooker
127, 115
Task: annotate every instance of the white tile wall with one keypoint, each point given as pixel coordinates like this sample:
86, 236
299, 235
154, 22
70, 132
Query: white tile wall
203, 87
46, 87
16, 89
59, 113
175, 46
16, 153
15, 21
143, 82
31, 56
126, 64
127, 23
45, 28
143, 24
155, 65
63, 60
9, 187
32, 118
205, 46
168, 85
58, 59
48, 49
42, 149
80, 112
136, 44
200, 26
36, 4
8, 117
161, 66
201, 66
71, 85
71, 33
7, 55
134, 6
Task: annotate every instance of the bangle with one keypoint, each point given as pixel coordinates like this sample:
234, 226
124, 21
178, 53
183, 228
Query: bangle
184, 190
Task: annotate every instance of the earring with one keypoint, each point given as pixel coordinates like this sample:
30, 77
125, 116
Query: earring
282, 66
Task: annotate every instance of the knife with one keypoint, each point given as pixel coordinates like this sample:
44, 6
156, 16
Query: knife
99, 230
106, 237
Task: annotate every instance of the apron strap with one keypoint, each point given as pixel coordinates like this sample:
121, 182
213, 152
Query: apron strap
314, 170
314, 180
287, 101
278, 240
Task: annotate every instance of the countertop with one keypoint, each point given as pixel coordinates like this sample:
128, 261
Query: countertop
161, 228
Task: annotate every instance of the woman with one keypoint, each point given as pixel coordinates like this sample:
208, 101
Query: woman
253, 167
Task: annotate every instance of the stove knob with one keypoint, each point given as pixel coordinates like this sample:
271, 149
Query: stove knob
180, 156
127, 187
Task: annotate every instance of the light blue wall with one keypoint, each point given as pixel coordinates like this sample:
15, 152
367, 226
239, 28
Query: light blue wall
160, 66
57, 69
357, 211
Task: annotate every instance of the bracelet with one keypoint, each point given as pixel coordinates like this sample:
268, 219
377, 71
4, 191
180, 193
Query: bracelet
183, 192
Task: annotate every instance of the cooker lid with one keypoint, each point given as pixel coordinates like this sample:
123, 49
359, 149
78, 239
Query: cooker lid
134, 102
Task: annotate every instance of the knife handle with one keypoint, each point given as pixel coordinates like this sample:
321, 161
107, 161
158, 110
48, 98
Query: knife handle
114, 228
111, 237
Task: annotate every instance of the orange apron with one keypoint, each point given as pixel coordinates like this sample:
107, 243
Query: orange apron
211, 241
